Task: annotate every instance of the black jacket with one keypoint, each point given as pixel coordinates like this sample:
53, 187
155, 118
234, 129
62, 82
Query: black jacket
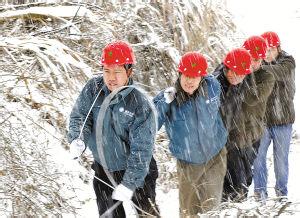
231, 99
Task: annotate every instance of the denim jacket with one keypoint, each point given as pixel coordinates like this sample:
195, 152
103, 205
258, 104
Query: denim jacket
194, 127
128, 132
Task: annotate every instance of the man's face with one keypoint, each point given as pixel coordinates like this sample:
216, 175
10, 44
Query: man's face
115, 76
234, 78
189, 84
255, 64
271, 55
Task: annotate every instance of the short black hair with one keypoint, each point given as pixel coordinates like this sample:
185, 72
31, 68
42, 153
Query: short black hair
128, 66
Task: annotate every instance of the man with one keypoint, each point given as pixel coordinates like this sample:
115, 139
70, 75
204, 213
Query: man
280, 115
231, 75
118, 124
260, 85
190, 113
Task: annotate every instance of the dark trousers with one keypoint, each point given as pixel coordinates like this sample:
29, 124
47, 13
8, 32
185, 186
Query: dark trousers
143, 197
239, 172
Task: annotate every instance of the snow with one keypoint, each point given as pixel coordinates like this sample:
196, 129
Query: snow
168, 203
57, 11
251, 17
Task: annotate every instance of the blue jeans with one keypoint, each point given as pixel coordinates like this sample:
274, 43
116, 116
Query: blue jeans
281, 136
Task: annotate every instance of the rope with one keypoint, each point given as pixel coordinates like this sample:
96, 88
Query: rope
99, 132
82, 127
99, 137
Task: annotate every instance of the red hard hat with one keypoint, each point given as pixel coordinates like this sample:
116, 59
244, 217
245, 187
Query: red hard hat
257, 46
193, 64
239, 61
117, 53
271, 38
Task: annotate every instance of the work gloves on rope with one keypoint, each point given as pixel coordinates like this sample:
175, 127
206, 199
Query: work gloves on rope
77, 147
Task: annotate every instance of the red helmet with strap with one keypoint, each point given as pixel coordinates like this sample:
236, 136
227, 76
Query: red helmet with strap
239, 61
117, 53
272, 39
193, 64
257, 46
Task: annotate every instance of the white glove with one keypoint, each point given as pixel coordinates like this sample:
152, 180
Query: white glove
169, 94
122, 193
77, 148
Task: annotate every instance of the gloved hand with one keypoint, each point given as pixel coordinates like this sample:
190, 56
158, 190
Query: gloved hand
122, 193
77, 148
169, 94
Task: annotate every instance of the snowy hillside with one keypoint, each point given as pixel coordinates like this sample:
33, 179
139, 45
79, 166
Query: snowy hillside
49, 51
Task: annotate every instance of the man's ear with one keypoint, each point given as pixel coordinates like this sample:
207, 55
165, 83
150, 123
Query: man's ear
129, 72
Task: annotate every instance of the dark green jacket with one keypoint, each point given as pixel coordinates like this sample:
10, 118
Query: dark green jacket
280, 106
260, 85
